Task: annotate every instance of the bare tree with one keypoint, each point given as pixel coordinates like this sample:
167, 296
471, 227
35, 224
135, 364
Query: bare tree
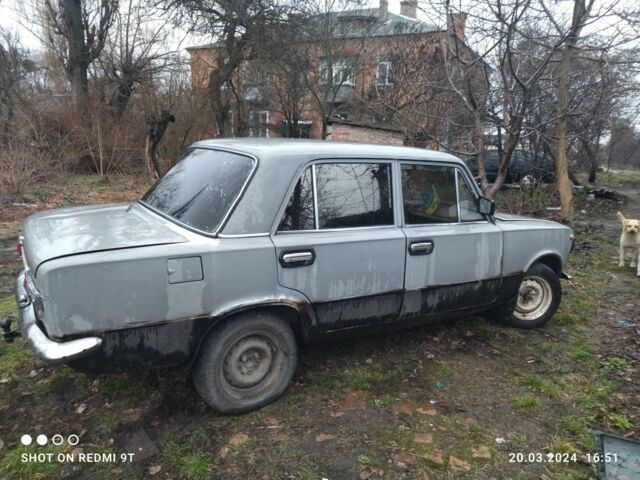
234, 28
136, 50
338, 40
15, 66
78, 30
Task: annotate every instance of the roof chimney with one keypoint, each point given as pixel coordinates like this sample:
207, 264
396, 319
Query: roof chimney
383, 10
456, 23
409, 8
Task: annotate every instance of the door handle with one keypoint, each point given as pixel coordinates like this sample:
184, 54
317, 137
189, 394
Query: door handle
422, 247
297, 258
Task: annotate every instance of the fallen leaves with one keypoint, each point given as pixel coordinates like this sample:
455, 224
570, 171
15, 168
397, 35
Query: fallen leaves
427, 411
154, 469
423, 438
435, 458
236, 441
239, 439
481, 451
81, 408
404, 458
323, 437
457, 465
355, 400
402, 408
271, 421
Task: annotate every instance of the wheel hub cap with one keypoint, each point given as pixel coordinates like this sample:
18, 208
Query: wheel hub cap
534, 298
248, 361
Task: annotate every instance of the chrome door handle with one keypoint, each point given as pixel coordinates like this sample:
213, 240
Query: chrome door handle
423, 247
298, 258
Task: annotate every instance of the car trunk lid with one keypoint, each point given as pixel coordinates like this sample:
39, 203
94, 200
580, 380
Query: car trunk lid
72, 231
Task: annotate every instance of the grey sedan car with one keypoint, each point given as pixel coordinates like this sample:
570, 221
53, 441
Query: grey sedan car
247, 247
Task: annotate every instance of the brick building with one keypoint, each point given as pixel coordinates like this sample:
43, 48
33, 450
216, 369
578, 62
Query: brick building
374, 68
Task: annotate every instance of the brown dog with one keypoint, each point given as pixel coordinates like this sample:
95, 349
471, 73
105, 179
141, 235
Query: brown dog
630, 241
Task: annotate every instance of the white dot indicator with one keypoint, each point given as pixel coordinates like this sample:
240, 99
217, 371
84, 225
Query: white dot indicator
41, 439
57, 439
26, 439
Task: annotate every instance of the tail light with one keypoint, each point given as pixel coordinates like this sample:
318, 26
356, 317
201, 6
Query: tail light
19, 247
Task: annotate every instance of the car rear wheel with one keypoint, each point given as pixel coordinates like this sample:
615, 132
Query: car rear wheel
537, 300
246, 363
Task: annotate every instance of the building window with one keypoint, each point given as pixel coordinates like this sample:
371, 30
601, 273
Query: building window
303, 129
340, 72
259, 123
384, 72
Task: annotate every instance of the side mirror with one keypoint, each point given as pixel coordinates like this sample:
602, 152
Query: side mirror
486, 206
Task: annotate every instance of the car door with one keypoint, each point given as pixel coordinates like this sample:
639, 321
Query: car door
338, 242
454, 254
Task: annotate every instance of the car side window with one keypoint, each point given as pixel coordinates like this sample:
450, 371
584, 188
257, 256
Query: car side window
300, 213
354, 195
429, 194
467, 201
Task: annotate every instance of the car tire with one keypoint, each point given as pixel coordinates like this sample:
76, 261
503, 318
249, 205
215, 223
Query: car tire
538, 298
246, 363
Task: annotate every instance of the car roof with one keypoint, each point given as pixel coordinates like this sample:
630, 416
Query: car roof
302, 150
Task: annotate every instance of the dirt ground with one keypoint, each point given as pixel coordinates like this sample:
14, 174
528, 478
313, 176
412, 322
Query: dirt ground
458, 400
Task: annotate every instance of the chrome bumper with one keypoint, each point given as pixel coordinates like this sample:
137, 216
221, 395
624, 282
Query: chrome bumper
45, 348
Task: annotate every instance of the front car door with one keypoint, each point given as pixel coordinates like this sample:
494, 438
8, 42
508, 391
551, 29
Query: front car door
338, 242
454, 254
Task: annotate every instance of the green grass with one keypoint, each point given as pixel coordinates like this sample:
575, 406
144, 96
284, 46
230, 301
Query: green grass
528, 402
620, 421
617, 180
13, 357
539, 384
561, 445
583, 352
8, 306
196, 466
13, 466
108, 423
580, 428
478, 431
172, 451
616, 363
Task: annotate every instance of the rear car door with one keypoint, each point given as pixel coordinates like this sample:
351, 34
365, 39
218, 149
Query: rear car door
339, 244
454, 254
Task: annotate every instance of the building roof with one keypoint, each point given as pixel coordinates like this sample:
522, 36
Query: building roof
363, 23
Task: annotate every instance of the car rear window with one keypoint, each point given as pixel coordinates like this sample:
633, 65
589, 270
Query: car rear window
201, 188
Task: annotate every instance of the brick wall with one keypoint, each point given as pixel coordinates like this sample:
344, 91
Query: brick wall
363, 134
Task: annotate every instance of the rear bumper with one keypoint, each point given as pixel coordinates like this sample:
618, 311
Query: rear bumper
45, 348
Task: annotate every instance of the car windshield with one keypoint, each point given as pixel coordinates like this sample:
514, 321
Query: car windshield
199, 190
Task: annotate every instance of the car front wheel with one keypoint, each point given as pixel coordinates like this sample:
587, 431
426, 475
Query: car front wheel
537, 300
246, 363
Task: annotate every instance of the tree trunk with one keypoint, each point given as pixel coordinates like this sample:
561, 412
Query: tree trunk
564, 72
478, 140
78, 61
157, 127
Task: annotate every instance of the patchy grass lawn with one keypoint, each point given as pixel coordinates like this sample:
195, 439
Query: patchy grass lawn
452, 400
